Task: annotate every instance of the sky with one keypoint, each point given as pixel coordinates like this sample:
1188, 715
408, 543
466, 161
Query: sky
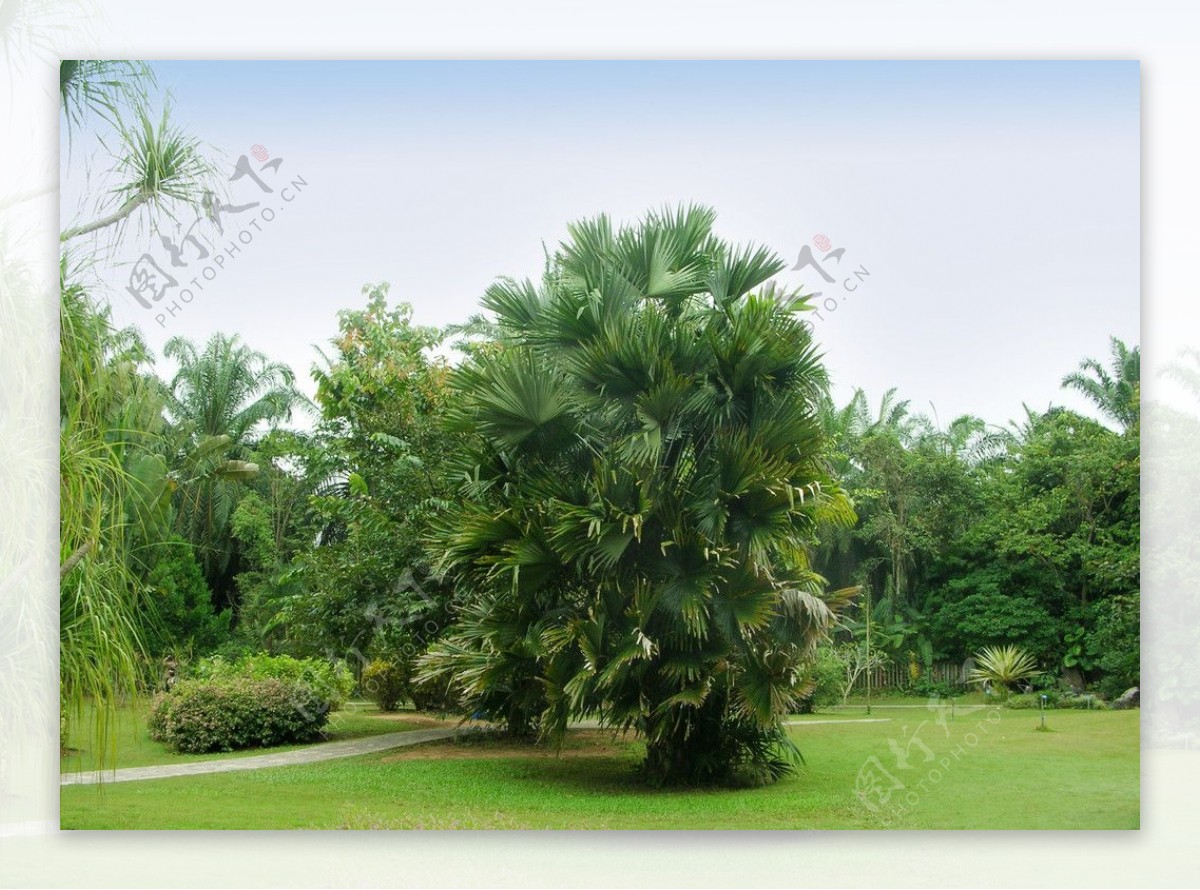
983, 217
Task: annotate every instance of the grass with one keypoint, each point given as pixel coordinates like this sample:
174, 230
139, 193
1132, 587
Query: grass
1084, 774
134, 747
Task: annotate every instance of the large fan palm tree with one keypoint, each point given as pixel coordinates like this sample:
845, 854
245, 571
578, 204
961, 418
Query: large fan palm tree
633, 536
220, 399
1116, 390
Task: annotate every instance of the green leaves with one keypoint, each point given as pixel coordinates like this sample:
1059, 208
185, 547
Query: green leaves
649, 475
1003, 665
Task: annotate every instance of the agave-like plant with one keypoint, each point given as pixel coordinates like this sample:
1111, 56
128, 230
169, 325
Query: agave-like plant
1004, 666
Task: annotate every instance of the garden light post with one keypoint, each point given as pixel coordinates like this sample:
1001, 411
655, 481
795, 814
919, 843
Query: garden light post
868, 653
1043, 698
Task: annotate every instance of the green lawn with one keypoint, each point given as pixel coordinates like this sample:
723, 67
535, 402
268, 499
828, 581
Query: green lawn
999, 774
134, 747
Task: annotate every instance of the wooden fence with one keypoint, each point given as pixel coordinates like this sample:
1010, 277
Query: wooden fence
897, 676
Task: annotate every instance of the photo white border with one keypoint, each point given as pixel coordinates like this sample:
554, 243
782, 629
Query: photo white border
1162, 35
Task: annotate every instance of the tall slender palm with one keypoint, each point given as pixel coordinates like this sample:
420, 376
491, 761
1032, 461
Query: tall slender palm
220, 399
1116, 390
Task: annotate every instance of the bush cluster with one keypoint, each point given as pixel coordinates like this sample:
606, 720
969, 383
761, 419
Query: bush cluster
826, 676
1055, 699
386, 683
331, 681
930, 688
226, 714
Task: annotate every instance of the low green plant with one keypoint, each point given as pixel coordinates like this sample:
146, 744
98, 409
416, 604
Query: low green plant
1085, 702
331, 680
931, 688
1029, 701
1003, 666
826, 675
227, 714
385, 683
1056, 700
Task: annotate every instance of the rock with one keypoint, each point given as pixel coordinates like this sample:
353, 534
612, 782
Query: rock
1073, 678
1130, 698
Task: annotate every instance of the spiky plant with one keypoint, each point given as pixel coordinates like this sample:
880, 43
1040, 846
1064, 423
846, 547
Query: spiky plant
633, 535
1004, 666
158, 166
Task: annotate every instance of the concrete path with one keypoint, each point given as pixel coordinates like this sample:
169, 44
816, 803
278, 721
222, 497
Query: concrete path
817, 722
312, 754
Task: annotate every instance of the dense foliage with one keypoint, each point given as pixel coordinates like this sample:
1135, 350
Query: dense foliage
629, 496
632, 536
331, 680
227, 714
385, 683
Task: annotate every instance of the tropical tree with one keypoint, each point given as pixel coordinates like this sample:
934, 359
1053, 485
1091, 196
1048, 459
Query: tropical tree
105, 431
155, 165
379, 473
113, 482
220, 400
1116, 390
650, 471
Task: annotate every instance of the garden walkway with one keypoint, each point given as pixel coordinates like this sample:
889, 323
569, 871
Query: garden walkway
312, 754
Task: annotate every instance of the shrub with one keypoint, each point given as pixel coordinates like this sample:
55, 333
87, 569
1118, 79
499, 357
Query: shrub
181, 604
385, 683
199, 716
827, 675
1118, 639
1003, 666
330, 680
1087, 701
1031, 701
931, 688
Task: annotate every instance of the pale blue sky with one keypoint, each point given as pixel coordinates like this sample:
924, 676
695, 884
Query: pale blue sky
995, 205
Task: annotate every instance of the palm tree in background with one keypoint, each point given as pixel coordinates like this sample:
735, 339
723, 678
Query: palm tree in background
220, 400
1116, 390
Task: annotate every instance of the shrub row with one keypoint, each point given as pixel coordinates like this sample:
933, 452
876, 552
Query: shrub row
1031, 701
331, 680
203, 715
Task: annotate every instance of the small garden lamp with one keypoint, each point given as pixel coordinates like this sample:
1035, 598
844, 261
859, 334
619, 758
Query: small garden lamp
1043, 697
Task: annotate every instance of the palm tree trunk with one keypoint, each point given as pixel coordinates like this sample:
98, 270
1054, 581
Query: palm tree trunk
73, 559
113, 218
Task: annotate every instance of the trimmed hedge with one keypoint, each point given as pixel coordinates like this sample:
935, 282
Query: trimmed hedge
332, 680
199, 716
